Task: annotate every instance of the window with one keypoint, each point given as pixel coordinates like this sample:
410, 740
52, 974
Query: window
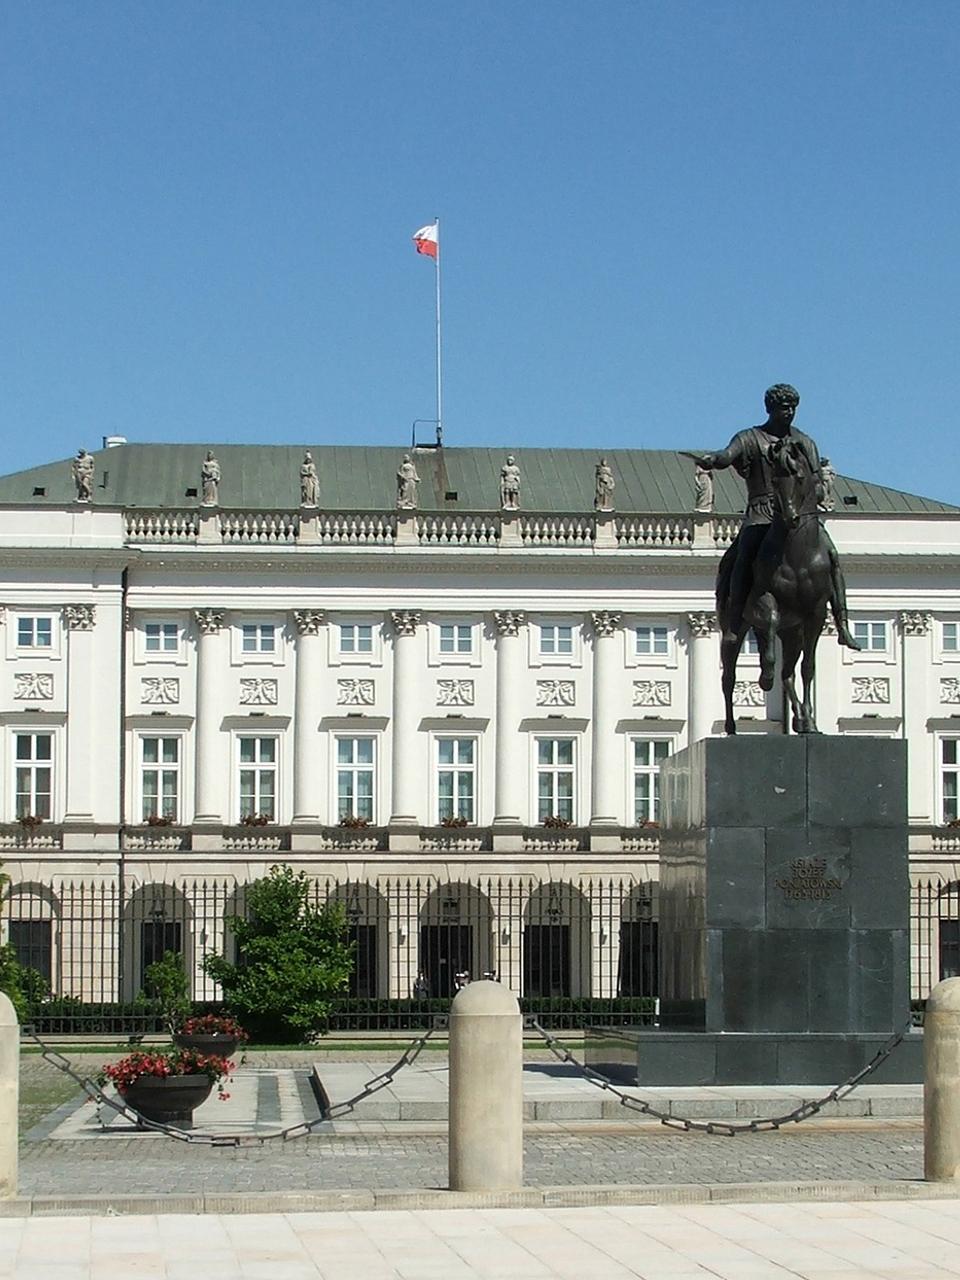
949, 776
161, 637
456, 637
951, 637
355, 766
648, 755
160, 778
652, 640
750, 643
871, 636
34, 774
555, 638
258, 777
555, 778
456, 778
258, 637
34, 633
356, 637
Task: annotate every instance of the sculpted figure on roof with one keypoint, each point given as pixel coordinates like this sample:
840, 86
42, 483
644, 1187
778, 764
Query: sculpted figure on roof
82, 469
309, 482
407, 481
210, 480
510, 484
604, 485
703, 489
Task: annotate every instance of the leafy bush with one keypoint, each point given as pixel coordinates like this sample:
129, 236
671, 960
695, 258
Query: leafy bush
294, 958
166, 981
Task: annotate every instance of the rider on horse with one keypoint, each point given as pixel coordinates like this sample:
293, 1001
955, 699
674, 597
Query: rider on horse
749, 453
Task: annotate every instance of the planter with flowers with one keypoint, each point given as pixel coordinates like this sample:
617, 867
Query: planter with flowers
212, 1033
167, 1087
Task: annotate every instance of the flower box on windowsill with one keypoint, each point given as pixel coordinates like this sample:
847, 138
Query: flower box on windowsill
154, 835
462, 838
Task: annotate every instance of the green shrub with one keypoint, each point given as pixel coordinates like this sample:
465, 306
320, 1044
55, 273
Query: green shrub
166, 981
294, 958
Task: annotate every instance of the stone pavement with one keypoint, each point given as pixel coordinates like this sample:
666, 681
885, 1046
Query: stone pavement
747, 1241
555, 1155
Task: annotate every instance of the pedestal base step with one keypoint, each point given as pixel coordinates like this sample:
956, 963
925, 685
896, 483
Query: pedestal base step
661, 1057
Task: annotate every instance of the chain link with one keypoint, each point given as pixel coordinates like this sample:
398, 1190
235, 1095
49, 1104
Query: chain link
334, 1112
721, 1128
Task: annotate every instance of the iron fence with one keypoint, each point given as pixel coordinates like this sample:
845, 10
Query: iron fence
573, 950
577, 950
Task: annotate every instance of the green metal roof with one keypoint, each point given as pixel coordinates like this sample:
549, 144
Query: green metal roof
363, 477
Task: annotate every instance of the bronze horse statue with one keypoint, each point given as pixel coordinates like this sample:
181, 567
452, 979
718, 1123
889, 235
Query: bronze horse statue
792, 587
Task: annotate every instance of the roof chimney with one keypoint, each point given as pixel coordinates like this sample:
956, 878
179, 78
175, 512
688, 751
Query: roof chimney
114, 442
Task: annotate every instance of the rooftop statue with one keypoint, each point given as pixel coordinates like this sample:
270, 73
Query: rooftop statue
82, 470
309, 482
604, 485
828, 501
782, 571
210, 480
703, 489
510, 484
407, 481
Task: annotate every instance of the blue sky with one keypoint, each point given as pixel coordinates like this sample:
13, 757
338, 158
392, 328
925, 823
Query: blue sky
650, 211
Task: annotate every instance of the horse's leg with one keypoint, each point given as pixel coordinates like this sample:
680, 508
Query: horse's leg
791, 642
808, 669
766, 618
729, 652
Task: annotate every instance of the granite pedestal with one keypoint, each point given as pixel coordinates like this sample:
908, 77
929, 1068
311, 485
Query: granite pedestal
784, 912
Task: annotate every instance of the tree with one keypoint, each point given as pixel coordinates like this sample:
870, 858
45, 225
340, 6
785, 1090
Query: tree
166, 981
293, 958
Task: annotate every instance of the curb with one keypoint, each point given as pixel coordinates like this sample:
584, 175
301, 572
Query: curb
526, 1198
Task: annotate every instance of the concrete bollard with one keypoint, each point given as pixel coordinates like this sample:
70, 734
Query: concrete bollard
941, 1083
9, 1089
486, 1089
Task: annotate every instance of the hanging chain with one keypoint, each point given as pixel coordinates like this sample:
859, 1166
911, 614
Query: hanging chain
334, 1112
721, 1128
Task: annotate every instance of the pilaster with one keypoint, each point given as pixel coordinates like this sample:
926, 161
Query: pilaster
914, 628
607, 771
81, 754
703, 663
211, 663
307, 775
406, 774
510, 767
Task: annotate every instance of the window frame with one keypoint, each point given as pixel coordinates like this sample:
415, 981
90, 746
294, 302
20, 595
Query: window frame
34, 652
259, 768
437, 657
338, 657
941, 792
554, 770
354, 767
655, 622
160, 767
242, 657
535, 629
888, 655
31, 764
634, 772
456, 767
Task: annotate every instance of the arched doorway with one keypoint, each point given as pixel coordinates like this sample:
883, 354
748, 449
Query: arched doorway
556, 942
456, 936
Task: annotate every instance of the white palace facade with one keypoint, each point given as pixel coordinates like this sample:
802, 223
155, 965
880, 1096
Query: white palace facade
456, 703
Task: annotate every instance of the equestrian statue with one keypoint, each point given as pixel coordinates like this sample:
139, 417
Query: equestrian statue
782, 571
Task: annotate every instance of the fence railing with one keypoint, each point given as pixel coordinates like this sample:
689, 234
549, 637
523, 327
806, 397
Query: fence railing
578, 949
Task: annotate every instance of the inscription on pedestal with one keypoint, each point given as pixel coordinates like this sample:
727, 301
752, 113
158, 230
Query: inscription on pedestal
809, 881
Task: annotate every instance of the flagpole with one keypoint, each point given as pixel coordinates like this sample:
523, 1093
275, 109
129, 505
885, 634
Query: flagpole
439, 367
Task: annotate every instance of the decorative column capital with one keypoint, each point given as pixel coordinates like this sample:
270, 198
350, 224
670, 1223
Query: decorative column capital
3, 614
80, 617
829, 626
914, 622
209, 620
702, 624
309, 621
405, 621
509, 622
605, 623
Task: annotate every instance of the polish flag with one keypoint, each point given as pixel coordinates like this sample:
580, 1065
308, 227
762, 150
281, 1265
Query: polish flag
427, 240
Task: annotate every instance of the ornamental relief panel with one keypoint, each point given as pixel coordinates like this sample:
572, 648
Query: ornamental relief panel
355, 693
747, 693
32, 686
870, 689
556, 693
156, 690
256, 691
651, 693
455, 693
950, 689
